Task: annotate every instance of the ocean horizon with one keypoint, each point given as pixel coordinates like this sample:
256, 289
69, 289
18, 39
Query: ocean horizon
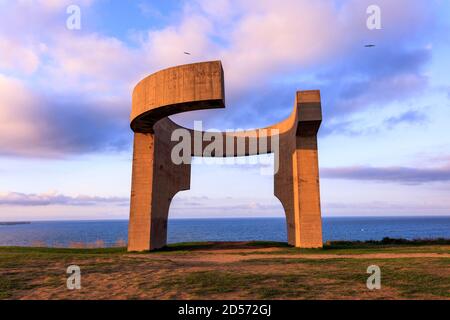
113, 232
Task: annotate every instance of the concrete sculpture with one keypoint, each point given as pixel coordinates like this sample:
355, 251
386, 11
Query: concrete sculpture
156, 179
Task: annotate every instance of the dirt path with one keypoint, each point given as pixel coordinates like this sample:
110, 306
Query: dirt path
241, 255
235, 258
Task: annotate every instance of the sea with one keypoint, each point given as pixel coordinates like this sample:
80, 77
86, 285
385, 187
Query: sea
114, 232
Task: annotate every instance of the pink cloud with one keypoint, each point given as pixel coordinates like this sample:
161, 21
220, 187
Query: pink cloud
15, 57
91, 64
18, 131
54, 198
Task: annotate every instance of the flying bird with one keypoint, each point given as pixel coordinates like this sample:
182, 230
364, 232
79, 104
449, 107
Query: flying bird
369, 45
187, 53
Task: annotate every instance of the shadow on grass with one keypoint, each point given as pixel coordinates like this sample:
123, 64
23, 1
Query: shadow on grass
330, 245
192, 246
385, 242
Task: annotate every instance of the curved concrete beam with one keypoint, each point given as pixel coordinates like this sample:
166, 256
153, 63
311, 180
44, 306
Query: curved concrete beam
174, 90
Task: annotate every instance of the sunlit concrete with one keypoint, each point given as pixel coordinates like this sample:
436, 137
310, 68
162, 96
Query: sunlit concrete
156, 179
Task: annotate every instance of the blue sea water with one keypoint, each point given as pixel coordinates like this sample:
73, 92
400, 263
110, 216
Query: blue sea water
63, 233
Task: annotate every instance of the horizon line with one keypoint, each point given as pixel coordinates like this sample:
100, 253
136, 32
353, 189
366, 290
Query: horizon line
225, 218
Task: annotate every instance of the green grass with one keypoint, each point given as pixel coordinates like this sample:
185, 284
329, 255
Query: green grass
392, 241
15, 281
410, 276
193, 246
309, 278
71, 251
206, 283
334, 247
386, 245
329, 247
287, 261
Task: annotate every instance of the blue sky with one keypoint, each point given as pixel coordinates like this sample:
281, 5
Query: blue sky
65, 98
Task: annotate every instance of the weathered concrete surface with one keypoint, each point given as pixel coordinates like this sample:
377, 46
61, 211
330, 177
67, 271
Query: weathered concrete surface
297, 180
178, 89
156, 179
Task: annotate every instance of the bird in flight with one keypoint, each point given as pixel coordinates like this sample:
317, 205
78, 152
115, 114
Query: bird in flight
369, 45
187, 53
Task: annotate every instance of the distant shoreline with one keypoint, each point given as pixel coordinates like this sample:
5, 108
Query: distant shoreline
13, 223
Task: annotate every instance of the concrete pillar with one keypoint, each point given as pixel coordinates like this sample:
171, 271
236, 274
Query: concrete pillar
307, 215
141, 192
155, 181
297, 179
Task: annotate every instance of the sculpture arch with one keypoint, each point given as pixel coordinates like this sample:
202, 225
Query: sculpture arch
156, 179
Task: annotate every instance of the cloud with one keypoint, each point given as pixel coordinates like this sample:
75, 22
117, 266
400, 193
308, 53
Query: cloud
26, 27
51, 199
149, 10
270, 50
15, 120
352, 127
411, 116
366, 81
265, 47
384, 208
183, 206
34, 125
91, 64
402, 175
15, 57
163, 48
54, 5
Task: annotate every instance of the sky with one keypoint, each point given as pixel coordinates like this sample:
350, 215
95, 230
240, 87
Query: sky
65, 99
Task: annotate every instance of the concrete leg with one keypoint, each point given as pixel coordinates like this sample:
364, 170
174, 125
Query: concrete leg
307, 213
141, 193
155, 181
